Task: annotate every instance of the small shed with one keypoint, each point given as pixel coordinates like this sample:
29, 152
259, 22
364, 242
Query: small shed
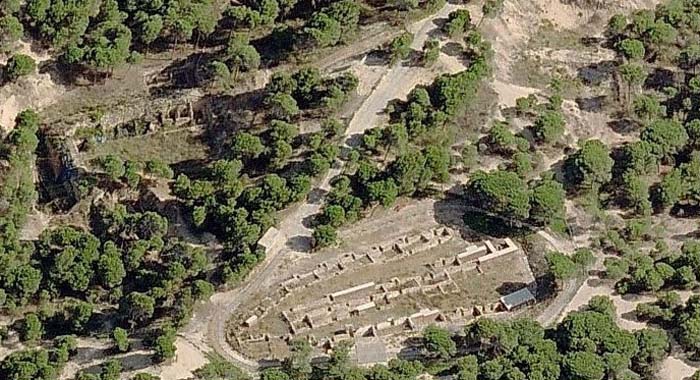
517, 299
270, 240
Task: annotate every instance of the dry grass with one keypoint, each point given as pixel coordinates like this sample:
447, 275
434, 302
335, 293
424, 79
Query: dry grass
172, 147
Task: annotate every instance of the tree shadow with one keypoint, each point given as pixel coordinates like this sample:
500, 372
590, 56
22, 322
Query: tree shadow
510, 287
595, 74
277, 46
623, 126
439, 24
186, 73
316, 195
660, 78
300, 243
452, 49
133, 362
449, 211
631, 316
593, 104
559, 169
376, 57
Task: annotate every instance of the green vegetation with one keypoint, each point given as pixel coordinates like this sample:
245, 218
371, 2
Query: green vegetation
19, 65
417, 142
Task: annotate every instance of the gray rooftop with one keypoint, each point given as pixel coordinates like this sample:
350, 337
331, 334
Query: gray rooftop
517, 298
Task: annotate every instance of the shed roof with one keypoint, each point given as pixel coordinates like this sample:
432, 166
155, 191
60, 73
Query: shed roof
269, 238
517, 298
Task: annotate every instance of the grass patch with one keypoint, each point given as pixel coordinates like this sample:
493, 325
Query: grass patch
168, 147
549, 36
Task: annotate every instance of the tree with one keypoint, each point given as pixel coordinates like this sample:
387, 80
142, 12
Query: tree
665, 136
9, 7
150, 29
324, 236
467, 368
121, 339
502, 140
282, 106
145, 376
583, 258
661, 34
31, 328
549, 126
689, 57
11, 30
28, 364
500, 192
631, 48
437, 162
409, 171
113, 167
298, 364
637, 193
647, 107
19, 65
110, 370
584, 365
78, 313
202, 289
458, 22
334, 215
521, 164
137, 307
603, 305
183, 17
634, 75
273, 374
560, 266
279, 153
110, 266
689, 334
617, 25
547, 201
241, 55
591, 166
400, 47
246, 146
438, 342
106, 46
653, 348
131, 173
672, 188
431, 52
322, 30
383, 191
159, 168
164, 345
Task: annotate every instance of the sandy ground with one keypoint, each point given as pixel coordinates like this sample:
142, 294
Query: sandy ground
37, 90
675, 369
188, 359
